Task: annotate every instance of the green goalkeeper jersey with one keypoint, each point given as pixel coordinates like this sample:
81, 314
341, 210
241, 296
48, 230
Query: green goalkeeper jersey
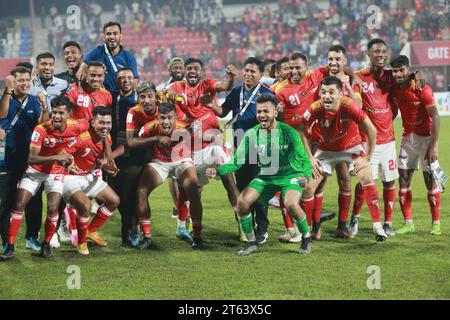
279, 153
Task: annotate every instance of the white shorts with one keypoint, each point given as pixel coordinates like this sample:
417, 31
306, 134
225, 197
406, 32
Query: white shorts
90, 184
32, 180
210, 157
384, 161
172, 169
412, 149
329, 159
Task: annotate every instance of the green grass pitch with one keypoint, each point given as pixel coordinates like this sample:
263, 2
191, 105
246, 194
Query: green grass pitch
411, 266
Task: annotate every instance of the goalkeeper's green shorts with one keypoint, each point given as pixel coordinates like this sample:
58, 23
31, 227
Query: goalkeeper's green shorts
268, 187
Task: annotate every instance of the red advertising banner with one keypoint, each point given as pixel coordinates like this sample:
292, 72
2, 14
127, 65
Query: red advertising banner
8, 64
430, 53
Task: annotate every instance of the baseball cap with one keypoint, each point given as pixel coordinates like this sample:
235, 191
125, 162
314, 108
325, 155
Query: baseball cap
144, 86
175, 60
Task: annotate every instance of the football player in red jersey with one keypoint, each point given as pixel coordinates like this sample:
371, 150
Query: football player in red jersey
86, 95
197, 94
419, 143
338, 118
46, 166
84, 180
170, 158
295, 95
376, 84
337, 62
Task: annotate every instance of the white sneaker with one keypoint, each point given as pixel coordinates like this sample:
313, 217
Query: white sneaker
63, 232
54, 243
380, 234
296, 239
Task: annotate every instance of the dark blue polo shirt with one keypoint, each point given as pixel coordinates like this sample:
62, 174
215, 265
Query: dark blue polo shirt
232, 101
18, 137
124, 59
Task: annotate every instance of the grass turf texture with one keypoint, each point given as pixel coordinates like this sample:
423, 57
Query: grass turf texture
413, 266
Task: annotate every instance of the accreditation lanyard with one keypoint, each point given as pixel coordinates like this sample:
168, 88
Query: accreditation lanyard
111, 61
16, 117
118, 109
243, 107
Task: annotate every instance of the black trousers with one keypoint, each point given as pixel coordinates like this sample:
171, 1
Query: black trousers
243, 177
125, 185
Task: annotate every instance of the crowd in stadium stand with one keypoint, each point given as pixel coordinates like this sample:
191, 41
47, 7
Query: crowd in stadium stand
261, 31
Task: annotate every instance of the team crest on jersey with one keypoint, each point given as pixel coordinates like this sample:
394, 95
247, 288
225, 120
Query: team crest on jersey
324, 123
72, 142
307, 115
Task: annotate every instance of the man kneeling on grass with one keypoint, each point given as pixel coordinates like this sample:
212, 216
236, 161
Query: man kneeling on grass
280, 153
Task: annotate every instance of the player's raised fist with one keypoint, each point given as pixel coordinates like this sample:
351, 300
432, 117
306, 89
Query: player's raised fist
10, 83
231, 70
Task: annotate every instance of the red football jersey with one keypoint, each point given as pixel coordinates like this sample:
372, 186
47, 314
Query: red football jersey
413, 104
200, 126
177, 151
137, 117
86, 149
84, 102
191, 104
339, 130
51, 142
297, 98
376, 103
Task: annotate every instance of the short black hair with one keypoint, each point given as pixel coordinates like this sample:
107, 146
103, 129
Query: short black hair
20, 69
267, 98
125, 69
44, 55
299, 55
61, 100
112, 24
193, 60
166, 107
280, 62
375, 41
95, 64
257, 61
337, 48
25, 64
71, 44
400, 61
328, 81
101, 111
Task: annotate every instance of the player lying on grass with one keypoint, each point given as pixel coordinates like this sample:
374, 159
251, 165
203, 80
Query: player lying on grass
279, 151
337, 119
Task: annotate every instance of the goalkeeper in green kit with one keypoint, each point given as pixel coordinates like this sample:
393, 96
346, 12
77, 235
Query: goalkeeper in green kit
279, 151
